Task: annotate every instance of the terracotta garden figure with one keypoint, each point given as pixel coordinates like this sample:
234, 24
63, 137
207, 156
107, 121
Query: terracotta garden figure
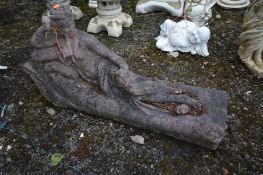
110, 18
75, 10
233, 4
74, 70
251, 38
183, 36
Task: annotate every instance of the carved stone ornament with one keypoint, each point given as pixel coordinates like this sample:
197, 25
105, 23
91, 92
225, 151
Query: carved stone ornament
93, 3
251, 38
74, 70
233, 4
110, 18
197, 11
173, 7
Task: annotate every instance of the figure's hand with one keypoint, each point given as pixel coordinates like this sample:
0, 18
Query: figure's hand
44, 28
123, 65
122, 75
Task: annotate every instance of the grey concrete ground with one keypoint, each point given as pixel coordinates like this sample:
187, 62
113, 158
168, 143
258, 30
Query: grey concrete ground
106, 147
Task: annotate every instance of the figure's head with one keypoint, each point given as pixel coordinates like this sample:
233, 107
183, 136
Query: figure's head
61, 17
50, 3
166, 27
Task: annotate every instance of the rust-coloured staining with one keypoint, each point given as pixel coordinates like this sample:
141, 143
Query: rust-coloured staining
81, 152
171, 107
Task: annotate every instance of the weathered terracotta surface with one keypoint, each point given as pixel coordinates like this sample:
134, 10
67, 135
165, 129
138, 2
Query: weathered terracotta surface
74, 70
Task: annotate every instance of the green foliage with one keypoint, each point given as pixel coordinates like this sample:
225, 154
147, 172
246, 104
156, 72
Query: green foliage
56, 159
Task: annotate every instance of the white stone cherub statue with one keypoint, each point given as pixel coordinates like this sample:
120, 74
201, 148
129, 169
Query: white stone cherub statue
184, 36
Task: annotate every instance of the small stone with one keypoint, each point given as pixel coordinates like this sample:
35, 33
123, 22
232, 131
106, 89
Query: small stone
1, 147
182, 109
247, 157
218, 16
137, 139
75, 116
81, 135
205, 62
248, 92
20, 103
173, 54
144, 60
8, 159
8, 147
51, 111
225, 171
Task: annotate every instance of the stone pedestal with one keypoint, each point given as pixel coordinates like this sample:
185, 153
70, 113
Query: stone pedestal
173, 7
233, 4
110, 18
93, 4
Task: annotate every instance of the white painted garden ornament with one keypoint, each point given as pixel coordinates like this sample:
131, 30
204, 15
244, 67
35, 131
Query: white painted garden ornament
233, 4
110, 18
199, 11
173, 7
93, 3
53, 3
183, 36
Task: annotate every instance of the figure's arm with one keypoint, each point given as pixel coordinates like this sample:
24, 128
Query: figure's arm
96, 46
39, 40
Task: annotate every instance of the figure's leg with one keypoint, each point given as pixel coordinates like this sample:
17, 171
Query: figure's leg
138, 85
150, 90
168, 98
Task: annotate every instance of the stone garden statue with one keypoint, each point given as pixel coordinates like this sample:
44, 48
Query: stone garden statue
173, 7
233, 4
251, 38
74, 70
197, 11
110, 18
183, 36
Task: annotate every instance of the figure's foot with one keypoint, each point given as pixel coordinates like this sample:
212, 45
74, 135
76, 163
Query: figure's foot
196, 105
